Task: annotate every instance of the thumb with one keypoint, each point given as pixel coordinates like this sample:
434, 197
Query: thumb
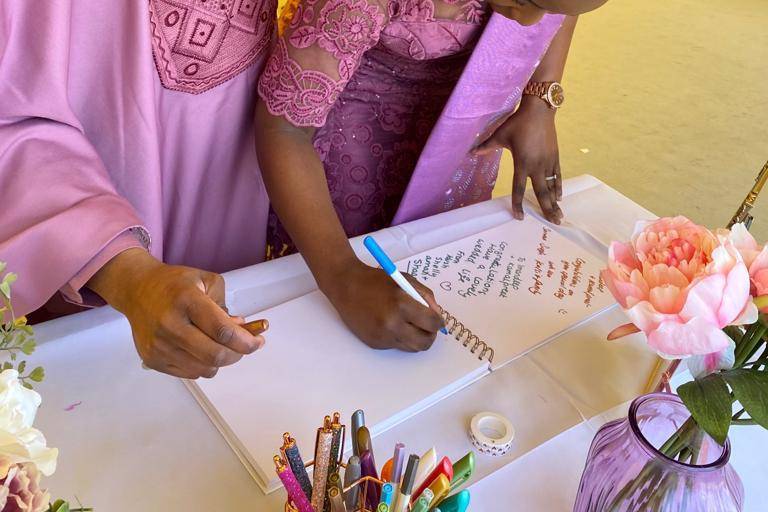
489, 145
213, 286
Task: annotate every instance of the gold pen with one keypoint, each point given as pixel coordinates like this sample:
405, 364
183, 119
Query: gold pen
337, 445
742, 214
256, 327
322, 461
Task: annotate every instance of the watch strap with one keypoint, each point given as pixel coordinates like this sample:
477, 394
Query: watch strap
538, 89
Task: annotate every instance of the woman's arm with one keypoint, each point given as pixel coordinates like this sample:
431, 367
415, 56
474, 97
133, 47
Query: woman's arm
310, 65
531, 136
552, 65
64, 224
368, 301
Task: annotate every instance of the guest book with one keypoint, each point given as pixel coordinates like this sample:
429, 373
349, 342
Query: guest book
505, 291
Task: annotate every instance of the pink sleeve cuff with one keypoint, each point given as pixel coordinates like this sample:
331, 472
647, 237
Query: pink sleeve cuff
74, 290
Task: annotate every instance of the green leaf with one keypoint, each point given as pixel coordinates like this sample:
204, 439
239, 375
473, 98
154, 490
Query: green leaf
2, 266
27, 385
59, 506
28, 346
13, 356
22, 366
38, 374
750, 387
709, 402
5, 285
10, 278
7, 366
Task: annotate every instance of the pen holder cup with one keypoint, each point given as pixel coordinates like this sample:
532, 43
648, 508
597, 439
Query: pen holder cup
361, 497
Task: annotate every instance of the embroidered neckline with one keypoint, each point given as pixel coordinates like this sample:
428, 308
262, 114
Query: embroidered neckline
199, 44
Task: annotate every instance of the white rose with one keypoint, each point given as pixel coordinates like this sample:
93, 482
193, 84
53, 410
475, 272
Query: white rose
19, 442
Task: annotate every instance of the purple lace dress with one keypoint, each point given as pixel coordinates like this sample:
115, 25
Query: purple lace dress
373, 76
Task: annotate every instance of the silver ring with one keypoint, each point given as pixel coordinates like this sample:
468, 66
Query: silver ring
550, 178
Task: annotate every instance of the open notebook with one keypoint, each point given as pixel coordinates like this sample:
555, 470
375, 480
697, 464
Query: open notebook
512, 288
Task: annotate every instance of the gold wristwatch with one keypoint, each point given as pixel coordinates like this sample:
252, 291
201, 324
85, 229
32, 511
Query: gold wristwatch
551, 92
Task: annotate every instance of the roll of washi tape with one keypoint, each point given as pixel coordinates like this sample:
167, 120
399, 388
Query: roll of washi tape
491, 433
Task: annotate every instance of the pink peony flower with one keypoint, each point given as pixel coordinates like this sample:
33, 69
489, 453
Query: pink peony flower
680, 284
20, 491
755, 258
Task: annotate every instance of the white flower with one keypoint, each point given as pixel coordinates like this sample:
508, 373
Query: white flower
19, 441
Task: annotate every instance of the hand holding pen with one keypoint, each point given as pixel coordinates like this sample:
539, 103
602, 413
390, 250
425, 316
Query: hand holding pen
380, 313
387, 309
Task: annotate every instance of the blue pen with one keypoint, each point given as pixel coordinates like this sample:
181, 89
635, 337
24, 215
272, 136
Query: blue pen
391, 270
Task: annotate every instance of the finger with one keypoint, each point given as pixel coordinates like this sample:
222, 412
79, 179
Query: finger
204, 313
412, 339
552, 188
213, 286
492, 144
558, 181
426, 293
178, 363
543, 195
424, 319
204, 349
551, 178
254, 327
518, 192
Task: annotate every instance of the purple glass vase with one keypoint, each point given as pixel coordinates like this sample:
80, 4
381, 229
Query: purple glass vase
626, 472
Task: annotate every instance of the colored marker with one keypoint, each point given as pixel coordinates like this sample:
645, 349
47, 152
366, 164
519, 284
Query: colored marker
422, 504
386, 264
386, 471
427, 464
406, 487
351, 475
397, 464
459, 502
373, 495
462, 470
336, 500
387, 493
444, 467
440, 488
358, 420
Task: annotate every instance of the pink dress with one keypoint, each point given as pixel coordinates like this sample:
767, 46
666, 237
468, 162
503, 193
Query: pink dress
373, 76
128, 124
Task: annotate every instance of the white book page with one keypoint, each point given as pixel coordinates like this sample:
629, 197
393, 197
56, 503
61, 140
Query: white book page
515, 286
312, 366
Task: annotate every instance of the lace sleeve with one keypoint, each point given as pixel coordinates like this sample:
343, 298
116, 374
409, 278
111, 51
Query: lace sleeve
314, 59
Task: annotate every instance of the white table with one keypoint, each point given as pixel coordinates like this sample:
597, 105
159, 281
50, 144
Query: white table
136, 440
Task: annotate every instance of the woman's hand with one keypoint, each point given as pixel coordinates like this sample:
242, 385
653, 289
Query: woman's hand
380, 313
177, 314
530, 135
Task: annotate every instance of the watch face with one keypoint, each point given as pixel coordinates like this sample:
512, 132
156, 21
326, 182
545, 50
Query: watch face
556, 95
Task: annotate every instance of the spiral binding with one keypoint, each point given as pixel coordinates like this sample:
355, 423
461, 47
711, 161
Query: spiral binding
466, 337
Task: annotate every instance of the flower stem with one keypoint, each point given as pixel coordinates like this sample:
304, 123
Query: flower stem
749, 343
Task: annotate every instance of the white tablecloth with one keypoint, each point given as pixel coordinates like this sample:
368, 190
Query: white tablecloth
136, 440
